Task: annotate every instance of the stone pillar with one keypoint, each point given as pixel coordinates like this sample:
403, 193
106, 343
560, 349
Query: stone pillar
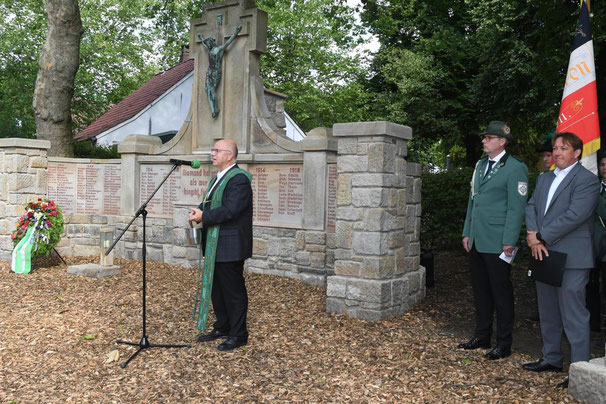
316, 147
377, 265
23, 164
129, 149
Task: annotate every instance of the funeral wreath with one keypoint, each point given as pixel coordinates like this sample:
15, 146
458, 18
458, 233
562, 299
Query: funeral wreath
46, 219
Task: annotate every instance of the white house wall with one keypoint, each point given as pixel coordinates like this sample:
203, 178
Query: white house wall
167, 113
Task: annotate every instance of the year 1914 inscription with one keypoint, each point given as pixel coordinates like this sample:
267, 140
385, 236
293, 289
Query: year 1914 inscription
277, 195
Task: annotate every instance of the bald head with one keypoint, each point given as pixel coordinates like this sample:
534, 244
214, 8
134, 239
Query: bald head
230, 145
224, 154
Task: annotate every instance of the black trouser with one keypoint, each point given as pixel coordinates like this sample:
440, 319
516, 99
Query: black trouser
230, 300
593, 295
492, 290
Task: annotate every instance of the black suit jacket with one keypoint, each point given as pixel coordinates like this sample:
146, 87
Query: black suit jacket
235, 217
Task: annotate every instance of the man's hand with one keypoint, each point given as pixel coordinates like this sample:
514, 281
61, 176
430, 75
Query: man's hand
466, 243
538, 250
531, 239
508, 249
195, 215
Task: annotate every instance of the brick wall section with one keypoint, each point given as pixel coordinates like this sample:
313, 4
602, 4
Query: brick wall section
377, 270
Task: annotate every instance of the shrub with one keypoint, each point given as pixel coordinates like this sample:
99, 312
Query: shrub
86, 149
444, 204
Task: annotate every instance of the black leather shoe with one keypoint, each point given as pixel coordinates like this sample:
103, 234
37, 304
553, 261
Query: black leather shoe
232, 343
563, 385
475, 343
499, 352
541, 366
211, 336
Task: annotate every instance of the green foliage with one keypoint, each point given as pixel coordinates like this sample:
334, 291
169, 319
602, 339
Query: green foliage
444, 198
22, 33
86, 149
310, 57
444, 205
171, 25
47, 218
448, 68
115, 59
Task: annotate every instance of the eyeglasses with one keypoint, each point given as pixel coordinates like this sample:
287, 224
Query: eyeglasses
488, 138
214, 151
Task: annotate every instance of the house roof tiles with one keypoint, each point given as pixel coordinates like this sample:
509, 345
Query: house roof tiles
138, 100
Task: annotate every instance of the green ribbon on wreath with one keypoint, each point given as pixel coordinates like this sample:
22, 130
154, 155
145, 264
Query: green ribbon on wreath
206, 272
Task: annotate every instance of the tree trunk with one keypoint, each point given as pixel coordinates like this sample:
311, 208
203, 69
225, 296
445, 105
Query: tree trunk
57, 66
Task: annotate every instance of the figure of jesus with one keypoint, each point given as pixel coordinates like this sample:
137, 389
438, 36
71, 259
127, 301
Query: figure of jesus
215, 60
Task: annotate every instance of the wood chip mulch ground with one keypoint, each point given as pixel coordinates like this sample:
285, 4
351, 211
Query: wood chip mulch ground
58, 345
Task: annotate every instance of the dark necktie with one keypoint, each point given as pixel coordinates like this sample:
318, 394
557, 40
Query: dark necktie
603, 189
490, 164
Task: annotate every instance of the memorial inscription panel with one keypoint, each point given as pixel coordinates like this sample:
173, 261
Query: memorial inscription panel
89, 188
331, 199
185, 186
277, 194
85, 188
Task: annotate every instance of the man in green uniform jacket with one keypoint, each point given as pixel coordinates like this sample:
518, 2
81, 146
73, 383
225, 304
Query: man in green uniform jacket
499, 189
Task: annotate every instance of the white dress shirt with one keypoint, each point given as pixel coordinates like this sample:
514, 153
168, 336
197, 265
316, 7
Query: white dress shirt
496, 161
220, 175
559, 177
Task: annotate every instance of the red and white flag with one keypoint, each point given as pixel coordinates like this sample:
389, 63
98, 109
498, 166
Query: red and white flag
579, 107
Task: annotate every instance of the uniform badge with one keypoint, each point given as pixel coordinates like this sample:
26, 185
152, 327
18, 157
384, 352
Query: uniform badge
523, 188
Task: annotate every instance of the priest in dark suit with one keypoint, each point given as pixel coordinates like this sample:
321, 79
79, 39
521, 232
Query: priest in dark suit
226, 214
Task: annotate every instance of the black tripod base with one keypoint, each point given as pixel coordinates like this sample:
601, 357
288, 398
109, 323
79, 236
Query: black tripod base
144, 344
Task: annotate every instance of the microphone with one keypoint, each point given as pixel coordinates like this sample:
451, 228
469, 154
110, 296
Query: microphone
192, 164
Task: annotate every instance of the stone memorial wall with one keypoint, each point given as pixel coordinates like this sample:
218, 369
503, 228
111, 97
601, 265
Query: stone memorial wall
339, 211
348, 218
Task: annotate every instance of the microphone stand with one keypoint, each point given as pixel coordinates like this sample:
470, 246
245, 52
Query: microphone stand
144, 342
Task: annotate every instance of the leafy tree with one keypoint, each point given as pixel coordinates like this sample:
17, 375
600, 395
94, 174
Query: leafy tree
22, 30
116, 57
310, 57
488, 59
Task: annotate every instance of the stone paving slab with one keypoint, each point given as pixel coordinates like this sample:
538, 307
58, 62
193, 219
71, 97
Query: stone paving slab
94, 270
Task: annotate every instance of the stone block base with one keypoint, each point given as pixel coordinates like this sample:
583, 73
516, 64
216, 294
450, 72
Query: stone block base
374, 299
588, 381
94, 270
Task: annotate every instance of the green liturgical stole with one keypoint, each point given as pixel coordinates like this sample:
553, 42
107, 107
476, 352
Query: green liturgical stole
206, 271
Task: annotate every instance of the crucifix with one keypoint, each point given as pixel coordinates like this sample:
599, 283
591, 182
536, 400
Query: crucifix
215, 60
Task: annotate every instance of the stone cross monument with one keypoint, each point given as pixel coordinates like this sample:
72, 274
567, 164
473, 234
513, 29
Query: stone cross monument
239, 72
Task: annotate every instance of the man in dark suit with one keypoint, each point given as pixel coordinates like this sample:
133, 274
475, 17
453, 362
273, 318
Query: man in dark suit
599, 245
559, 217
226, 215
495, 210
